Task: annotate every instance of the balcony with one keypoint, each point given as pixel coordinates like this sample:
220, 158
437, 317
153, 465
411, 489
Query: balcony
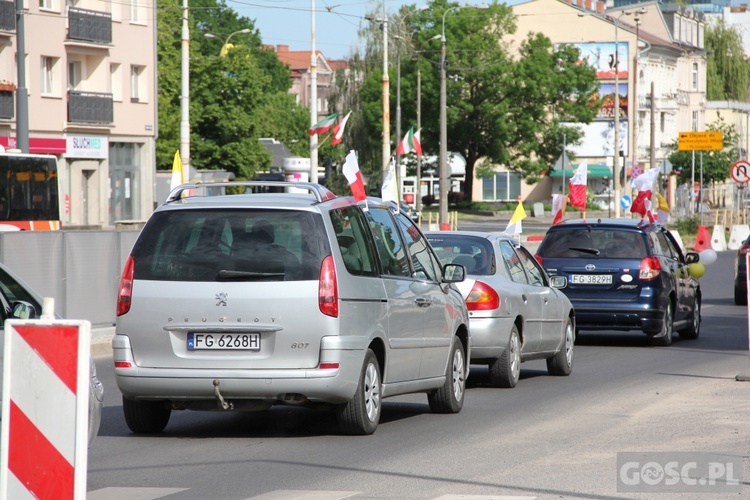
7, 16
7, 105
90, 107
89, 25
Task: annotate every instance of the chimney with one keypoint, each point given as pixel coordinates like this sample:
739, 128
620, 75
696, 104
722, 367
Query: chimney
282, 48
587, 3
600, 6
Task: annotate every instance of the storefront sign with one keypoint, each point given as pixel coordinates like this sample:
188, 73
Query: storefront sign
79, 146
37, 145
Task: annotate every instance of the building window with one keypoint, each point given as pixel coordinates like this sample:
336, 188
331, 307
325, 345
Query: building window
49, 70
695, 121
136, 12
663, 121
124, 167
695, 76
74, 75
502, 186
115, 76
47, 4
136, 84
115, 8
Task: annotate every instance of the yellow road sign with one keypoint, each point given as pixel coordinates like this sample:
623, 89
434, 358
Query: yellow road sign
701, 141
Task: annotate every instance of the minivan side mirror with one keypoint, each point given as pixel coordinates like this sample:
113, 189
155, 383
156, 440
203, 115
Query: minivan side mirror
558, 281
23, 310
454, 273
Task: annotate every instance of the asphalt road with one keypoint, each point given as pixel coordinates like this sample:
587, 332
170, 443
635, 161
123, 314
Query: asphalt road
550, 437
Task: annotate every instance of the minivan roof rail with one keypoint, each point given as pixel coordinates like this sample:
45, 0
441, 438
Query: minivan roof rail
321, 193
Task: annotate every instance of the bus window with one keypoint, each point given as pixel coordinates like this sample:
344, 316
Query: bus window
29, 192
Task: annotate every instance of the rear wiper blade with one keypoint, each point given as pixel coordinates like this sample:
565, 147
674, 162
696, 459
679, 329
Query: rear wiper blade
226, 274
592, 251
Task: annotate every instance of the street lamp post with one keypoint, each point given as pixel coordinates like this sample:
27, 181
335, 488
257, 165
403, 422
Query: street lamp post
185, 97
443, 157
225, 42
386, 102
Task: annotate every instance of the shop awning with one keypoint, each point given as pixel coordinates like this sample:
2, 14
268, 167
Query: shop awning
594, 171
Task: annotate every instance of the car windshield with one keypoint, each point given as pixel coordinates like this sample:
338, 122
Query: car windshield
587, 243
473, 252
231, 245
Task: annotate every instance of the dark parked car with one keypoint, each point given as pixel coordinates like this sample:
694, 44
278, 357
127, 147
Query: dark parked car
624, 274
740, 274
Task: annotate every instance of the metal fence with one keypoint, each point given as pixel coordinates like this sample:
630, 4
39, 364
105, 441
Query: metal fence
723, 203
80, 269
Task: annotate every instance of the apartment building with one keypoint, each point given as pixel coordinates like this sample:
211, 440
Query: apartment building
299, 62
90, 71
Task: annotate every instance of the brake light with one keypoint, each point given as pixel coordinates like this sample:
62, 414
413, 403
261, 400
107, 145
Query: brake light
125, 292
482, 298
649, 268
328, 292
744, 250
539, 259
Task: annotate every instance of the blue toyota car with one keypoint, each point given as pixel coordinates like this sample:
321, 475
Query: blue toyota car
625, 274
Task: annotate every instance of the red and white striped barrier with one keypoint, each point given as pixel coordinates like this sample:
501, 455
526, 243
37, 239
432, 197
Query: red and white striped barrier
45, 408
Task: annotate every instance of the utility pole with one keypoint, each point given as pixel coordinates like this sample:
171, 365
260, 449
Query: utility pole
185, 98
22, 95
386, 102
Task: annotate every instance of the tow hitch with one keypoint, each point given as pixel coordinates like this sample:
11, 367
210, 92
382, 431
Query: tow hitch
220, 399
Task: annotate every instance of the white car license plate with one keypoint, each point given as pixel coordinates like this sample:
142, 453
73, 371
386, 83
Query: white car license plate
222, 341
592, 279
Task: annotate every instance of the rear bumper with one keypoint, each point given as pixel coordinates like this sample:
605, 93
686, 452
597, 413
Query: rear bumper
644, 315
185, 385
489, 337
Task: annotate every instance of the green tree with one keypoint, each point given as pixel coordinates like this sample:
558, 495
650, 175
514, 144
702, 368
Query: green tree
509, 111
727, 69
234, 100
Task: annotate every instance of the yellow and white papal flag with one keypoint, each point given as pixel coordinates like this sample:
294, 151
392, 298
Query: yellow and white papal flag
176, 171
514, 225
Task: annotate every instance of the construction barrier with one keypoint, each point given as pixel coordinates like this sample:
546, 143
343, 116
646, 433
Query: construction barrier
718, 240
45, 408
737, 236
702, 240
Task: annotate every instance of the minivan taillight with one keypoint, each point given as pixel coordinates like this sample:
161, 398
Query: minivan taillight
125, 292
482, 298
328, 292
649, 268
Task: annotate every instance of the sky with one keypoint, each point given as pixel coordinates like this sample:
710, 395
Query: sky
288, 22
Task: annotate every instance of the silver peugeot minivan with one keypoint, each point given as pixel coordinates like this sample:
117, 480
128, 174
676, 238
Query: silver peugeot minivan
244, 301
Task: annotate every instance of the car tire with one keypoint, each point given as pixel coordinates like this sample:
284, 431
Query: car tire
694, 330
450, 397
506, 370
361, 415
740, 297
664, 337
561, 364
146, 417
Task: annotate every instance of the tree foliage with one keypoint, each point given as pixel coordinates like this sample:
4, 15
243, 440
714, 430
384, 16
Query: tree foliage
509, 110
727, 70
716, 164
235, 99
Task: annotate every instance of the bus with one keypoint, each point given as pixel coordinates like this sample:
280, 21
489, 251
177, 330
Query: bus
29, 192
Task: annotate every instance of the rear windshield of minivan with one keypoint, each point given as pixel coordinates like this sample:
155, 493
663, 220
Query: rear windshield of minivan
231, 245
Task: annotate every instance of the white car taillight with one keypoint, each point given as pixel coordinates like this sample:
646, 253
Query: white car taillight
328, 293
125, 292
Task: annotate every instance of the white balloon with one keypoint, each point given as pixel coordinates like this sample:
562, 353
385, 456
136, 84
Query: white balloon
708, 256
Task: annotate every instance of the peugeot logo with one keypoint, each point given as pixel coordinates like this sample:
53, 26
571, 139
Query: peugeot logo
221, 299
589, 267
